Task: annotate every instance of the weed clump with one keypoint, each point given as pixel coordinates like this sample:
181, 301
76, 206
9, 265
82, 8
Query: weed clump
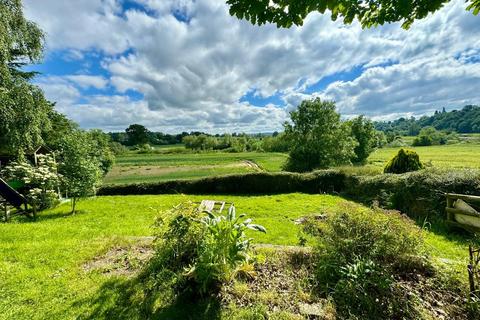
404, 161
361, 259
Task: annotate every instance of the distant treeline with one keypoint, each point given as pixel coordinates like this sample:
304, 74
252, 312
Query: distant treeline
466, 120
137, 134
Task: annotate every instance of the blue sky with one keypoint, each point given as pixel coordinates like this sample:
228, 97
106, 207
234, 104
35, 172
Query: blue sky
176, 65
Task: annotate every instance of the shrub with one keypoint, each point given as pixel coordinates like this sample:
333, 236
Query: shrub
404, 161
39, 183
359, 257
199, 254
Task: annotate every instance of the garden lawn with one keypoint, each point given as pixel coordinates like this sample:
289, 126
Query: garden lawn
42, 272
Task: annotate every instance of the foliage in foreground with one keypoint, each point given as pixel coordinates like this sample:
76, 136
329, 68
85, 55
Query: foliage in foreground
199, 254
404, 161
362, 256
369, 13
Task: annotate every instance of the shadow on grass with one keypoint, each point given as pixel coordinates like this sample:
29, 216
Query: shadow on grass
140, 298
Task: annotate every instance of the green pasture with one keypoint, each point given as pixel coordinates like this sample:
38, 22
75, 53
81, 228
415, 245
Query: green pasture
463, 155
134, 167
42, 263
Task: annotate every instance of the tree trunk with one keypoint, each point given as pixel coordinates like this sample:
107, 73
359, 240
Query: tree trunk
74, 203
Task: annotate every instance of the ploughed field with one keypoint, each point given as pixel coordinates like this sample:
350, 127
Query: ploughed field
66, 266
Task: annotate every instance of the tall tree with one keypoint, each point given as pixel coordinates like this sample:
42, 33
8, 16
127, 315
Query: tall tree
364, 132
137, 134
285, 13
317, 136
23, 107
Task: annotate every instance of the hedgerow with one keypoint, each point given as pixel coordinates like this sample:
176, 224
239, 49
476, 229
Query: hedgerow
326, 181
416, 193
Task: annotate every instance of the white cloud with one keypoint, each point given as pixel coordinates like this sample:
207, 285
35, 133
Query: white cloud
193, 74
87, 81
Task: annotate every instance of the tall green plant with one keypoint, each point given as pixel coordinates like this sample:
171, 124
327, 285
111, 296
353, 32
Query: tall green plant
201, 253
223, 249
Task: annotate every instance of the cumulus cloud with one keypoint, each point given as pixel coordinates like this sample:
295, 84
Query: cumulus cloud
88, 81
192, 62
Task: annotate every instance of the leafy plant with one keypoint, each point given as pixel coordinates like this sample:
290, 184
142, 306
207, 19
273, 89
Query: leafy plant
38, 183
223, 249
199, 254
404, 161
360, 255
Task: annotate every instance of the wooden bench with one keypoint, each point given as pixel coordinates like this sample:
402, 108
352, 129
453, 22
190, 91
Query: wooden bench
212, 205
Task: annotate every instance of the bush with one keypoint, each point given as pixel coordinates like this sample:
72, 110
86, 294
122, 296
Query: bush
252, 183
359, 257
39, 183
200, 251
417, 193
404, 161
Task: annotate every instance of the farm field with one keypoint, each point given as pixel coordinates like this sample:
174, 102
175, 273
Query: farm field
43, 264
133, 167
463, 155
137, 168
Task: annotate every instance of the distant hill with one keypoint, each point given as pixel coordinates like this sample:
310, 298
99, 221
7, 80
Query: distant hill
466, 120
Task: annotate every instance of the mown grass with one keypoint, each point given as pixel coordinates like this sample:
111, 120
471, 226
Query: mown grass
463, 155
189, 165
41, 262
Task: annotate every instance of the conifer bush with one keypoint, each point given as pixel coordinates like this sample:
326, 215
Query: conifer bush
404, 161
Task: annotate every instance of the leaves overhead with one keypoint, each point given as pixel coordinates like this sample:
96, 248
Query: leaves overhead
370, 13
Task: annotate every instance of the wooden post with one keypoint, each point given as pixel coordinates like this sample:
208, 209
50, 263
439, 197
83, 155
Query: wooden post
471, 271
450, 201
5, 212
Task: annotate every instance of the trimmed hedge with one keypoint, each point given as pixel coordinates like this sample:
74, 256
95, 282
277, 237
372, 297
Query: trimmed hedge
417, 194
327, 181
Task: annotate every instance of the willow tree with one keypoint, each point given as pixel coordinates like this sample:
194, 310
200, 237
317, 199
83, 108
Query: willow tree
23, 108
285, 13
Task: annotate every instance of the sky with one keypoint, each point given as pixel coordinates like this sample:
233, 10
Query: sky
183, 65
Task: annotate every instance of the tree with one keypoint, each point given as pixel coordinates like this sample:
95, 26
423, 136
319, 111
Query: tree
101, 149
430, 136
363, 131
285, 13
137, 134
79, 167
317, 136
23, 108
